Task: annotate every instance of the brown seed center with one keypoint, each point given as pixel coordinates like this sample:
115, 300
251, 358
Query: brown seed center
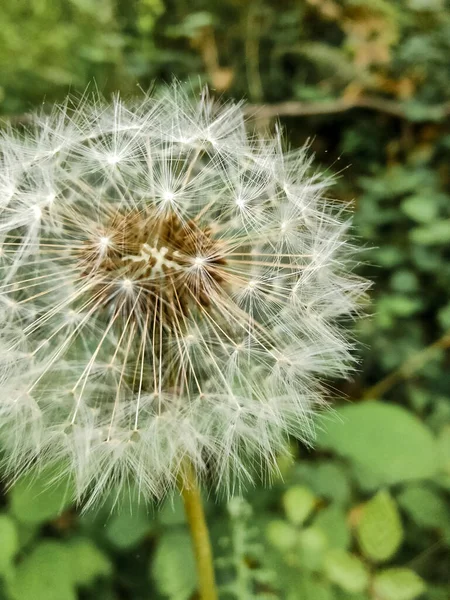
162, 263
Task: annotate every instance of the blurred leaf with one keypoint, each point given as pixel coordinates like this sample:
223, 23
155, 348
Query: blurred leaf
87, 561
311, 588
313, 543
425, 506
420, 208
9, 543
398, 584
46, 574
129, 526
172, 511
404, 281
328, 60
150, 10
379, 528
286, 463
281, 534
27, 533
426, 5
38, 497
173, 567
444, 316
328, 480
333, 522
346, 570
444, 449
385, 440
419, 398
192, 24
298, 502
388, 256
397, 305
434, 234
437, 592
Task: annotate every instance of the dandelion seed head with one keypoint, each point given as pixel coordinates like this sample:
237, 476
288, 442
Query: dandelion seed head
171, 288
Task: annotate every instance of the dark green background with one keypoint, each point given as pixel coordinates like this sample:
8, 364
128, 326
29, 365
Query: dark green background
368, 81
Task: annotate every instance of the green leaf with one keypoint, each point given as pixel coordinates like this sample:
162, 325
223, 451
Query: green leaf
426, 5
433, 234
285, 463
87, 561
397, 305
39, 497
346, 570
9, 543
404, 280
341, 594
46, 574
128, 528
27, 533
384, 440
172, 512
418, 397
388, 256
421, 208
333, 522
398, 584
308, 586
425, 506
437, 592
329, 480
281, 534
173, 566
444, 449
191, 25
298, 502
444, 316
313, 543
379, 528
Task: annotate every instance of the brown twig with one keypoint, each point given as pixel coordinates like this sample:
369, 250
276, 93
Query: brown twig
340, 105
294, 108
410, 366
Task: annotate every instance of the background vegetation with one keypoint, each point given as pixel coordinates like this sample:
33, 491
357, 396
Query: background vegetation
366, 514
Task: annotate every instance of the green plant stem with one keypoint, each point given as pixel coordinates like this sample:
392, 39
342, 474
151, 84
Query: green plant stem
195, 514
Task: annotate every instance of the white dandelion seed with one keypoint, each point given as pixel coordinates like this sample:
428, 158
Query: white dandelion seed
171, 289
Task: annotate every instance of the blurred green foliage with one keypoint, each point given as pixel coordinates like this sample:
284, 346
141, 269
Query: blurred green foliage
366, 515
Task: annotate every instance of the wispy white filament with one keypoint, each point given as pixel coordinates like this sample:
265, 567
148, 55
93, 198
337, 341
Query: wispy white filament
209, 338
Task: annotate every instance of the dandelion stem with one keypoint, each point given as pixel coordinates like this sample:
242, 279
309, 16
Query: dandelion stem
195, 514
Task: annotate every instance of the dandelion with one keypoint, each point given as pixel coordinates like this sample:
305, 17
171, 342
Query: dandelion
172, 293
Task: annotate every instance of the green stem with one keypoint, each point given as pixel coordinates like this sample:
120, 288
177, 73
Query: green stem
195, 514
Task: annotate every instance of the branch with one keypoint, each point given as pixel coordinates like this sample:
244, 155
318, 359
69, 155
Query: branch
408, 368
294, 108
340, 105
